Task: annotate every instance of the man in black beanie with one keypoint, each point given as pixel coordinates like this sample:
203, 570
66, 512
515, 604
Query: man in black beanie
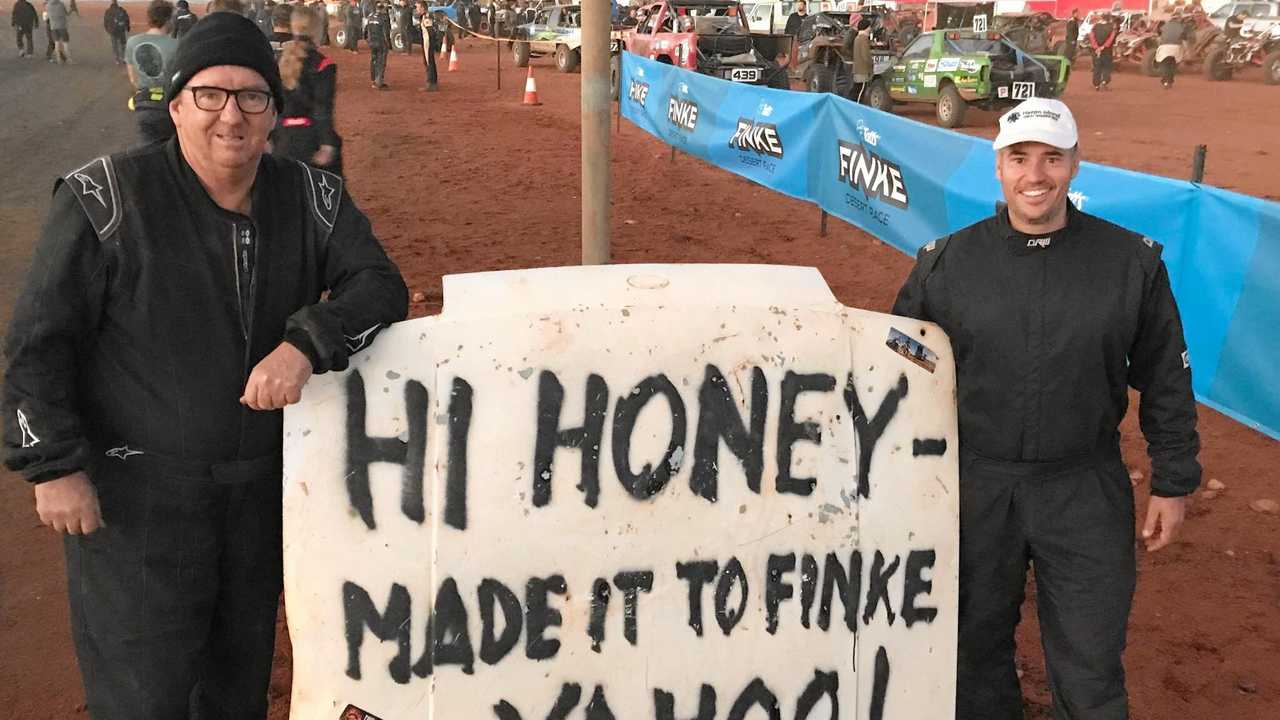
173, 309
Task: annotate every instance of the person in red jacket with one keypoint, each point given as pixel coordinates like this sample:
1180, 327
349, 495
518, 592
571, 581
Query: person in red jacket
1102, 40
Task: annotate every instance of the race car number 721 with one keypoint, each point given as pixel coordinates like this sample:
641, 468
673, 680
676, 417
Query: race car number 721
1024, 90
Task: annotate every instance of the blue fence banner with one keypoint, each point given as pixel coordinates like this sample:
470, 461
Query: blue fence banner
908, 183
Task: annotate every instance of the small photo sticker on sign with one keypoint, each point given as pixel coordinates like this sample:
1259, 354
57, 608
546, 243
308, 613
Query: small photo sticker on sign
354, 713
911, 349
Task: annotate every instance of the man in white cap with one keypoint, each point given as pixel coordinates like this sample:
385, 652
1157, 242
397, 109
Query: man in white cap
1054, 314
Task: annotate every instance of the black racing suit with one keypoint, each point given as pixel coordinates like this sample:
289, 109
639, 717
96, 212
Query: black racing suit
354, 19
146, 308
1049, 332
182, 22
378, 34
306, 120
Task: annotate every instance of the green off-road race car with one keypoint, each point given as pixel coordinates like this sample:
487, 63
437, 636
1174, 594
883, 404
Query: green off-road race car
954, 69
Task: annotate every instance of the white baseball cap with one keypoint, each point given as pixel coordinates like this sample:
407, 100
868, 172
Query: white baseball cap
1038, 120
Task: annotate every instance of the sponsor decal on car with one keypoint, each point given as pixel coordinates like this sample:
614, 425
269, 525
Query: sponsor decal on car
969, 65
931, 66
757, 137
931, 81
948, 64
1002, 91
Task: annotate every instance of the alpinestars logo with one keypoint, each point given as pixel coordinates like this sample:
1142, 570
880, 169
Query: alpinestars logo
872, 174
683, 114
759, 138
638, 92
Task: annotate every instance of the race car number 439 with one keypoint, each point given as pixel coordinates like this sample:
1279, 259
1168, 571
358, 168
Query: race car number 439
747, 75
1024, 90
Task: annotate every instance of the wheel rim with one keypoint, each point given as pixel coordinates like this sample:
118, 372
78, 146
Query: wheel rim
1274, 71
944, 109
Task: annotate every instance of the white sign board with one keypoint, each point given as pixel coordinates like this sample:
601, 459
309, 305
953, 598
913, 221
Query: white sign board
628, 492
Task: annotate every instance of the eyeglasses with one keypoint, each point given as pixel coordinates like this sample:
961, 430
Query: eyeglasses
249, 100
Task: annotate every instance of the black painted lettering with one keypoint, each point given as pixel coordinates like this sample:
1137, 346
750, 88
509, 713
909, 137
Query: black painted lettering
756, 694
871, 430
697, 573
878, 587
600, 592
631, 583
455, 489
914, 584
664, 704
362, 450
849, 585
570, 695
718, 418
808, 586
823, 683
539, 616
732, 576
776, 589
503, 710
879, 685
598, 707
790, 432
393, 624
450, 639
651, 479
585, 438
495, 647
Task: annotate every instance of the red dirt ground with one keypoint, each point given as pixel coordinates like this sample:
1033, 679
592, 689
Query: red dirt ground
469, 180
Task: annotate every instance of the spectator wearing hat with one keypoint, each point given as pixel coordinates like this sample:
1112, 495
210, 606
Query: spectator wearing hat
1054, 315
148, 363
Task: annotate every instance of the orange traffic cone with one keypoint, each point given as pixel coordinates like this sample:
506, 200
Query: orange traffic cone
453, 59
531, 89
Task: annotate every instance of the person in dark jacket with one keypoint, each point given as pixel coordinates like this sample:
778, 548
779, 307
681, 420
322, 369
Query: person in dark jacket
305, 128
1053, 315
281, 27
115, 20
1235, 24
795, 19
148, 363
262, 17
183, 19
1073, 33
1102, 40
1169, 52
405, 23
24, 20
432, 37
377, 32
353, 24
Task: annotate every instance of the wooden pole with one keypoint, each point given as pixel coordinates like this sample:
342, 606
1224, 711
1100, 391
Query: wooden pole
596, 22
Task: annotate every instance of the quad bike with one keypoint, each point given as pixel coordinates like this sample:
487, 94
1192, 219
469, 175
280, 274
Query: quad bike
1224, 58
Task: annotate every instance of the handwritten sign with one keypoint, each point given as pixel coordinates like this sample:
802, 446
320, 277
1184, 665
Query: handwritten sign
628, 492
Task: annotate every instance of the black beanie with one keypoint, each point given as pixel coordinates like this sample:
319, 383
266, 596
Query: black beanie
225, 38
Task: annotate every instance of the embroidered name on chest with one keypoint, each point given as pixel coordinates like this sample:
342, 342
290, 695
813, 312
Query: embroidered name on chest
1039, 242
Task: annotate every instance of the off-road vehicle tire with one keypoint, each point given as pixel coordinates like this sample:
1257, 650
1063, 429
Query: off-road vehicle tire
1271, 68
397, 41
951, 107
877, 96
340, 37
776, 77
819, 79
520, 53
1215, 67
566, 59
